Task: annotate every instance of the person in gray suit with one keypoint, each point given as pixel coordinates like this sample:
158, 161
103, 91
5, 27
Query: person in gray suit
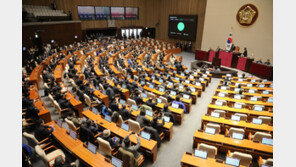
126, 145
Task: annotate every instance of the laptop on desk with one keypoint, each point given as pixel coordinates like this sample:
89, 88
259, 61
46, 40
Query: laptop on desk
125, 127
116, 162
92, 148
108, 118
146, 135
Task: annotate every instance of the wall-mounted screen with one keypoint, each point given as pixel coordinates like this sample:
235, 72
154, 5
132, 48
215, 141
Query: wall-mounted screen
131, 13
86, 12
102, 13
117, 13
182, 27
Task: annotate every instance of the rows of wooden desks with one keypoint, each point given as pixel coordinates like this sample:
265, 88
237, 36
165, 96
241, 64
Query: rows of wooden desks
232, 87
77, 148
39, 104
167, 127
267, 104
198, 92
149, 147
244, 93
189, 160
224, 143
230, 111
178, 113
226, 123
248, 81
58, 74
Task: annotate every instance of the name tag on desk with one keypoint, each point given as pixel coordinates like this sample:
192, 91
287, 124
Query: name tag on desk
253, 98
265, 92
221, 94
223, 88
238, 97
218, 103
252, 91
238, 106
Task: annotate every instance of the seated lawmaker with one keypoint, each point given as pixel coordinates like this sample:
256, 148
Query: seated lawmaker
150, 103
154, 134
125, 114
181, 104
141, 117
85, 134
267, 62
156, 125
168, 113
106, 136
42, 131
76, 120
126, 145
79, 93
259, 61
61, 162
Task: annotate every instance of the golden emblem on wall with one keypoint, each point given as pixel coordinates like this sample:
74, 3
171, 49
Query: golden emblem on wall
247, 15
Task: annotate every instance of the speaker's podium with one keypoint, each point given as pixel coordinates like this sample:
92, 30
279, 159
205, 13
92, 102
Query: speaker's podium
216, 62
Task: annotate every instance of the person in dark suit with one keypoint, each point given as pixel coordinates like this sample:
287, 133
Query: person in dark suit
86, 134
65, 104
154, 134
125, 114
168, 113
267, 62
150, 103
259, 61
156, 125
138, 98
32, 113
79, 93
141, 117
110, 93
114, 105
245, 52
92, 125
42, 131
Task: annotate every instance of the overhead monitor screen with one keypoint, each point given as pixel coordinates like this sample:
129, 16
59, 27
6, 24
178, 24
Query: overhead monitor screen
131, 13
86, 12
102, 13
183, 27
117, 13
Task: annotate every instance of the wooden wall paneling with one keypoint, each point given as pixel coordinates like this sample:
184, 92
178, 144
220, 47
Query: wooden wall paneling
186, 7
36, 2
151, 12
63, 34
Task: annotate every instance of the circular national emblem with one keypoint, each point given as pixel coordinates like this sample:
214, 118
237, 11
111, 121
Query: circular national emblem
247, 15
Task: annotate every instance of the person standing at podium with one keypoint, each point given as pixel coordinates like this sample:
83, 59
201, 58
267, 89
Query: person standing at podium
245, 52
